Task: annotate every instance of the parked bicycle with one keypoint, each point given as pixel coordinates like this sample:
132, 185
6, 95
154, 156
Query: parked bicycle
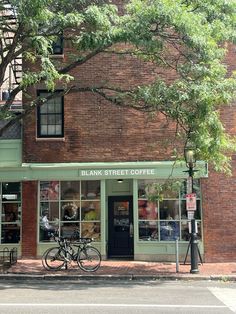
87, 257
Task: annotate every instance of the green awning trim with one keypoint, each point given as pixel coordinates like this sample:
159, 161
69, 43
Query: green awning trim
99, 170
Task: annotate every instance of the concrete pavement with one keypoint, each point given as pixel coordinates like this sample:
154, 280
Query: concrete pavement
118, 269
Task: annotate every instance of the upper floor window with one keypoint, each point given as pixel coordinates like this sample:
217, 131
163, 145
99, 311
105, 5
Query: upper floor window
50, 117
57, 46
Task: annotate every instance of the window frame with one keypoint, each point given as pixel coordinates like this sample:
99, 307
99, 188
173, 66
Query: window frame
59, 43
39, 115
15, 223
161, 222
56, 204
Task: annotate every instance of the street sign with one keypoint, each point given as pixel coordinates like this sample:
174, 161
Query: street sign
190, 214
191, 203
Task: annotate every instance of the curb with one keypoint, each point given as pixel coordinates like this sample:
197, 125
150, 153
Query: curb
129, 277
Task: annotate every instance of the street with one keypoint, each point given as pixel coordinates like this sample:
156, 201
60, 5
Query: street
117, 297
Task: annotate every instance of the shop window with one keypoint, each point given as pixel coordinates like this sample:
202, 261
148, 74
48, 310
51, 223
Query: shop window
10, 208
70, 206
166, 218
50, 117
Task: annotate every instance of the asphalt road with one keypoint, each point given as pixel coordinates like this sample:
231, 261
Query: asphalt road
117, 297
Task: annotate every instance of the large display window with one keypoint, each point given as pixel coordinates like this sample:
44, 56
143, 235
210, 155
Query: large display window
165, 218
10, 209
69, 206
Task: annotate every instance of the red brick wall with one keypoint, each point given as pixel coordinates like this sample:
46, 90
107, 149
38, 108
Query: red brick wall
219, 196
29, 219
98, 131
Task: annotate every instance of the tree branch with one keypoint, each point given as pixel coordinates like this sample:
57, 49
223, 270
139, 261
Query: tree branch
83, 60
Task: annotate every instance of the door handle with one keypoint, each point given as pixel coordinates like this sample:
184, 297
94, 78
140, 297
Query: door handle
131, 230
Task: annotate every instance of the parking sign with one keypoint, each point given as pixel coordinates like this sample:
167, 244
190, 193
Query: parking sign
191, 203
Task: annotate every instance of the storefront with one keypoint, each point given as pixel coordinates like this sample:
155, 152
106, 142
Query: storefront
116, 204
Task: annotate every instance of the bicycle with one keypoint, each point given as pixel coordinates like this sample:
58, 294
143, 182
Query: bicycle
87, 257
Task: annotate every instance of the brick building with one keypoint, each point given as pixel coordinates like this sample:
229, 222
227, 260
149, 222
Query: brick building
91, 165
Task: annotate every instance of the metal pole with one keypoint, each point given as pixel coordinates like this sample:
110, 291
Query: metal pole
194, 248
177, 254
193, 239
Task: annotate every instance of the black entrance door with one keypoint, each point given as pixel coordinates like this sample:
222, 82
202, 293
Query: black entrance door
120, 231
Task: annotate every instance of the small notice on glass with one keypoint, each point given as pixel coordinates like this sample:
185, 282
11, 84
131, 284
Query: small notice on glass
191, 203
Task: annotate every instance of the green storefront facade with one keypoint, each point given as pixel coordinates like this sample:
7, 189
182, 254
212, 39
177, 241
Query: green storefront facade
127, 223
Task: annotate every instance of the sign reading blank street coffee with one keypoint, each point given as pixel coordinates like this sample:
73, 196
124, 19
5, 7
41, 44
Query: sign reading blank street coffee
191, 203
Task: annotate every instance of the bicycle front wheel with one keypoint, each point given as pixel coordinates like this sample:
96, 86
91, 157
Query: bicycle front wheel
54, 258
89, 259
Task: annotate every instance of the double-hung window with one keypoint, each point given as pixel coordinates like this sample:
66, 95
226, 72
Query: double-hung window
50, 117
57, 46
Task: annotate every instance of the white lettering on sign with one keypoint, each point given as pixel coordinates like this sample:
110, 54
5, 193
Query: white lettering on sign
91, 173
117, 172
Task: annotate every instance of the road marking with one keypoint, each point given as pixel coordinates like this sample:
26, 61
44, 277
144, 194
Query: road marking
114, 305
225, 295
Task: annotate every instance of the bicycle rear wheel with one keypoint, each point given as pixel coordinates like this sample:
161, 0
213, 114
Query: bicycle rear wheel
89, 259
54, 258
43, 259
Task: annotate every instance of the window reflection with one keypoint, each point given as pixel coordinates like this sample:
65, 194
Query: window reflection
147, 210
169, 231
148, 231
169, 213
169, 210
49, 190
77, 202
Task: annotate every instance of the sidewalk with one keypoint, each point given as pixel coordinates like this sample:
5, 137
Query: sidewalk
117, 269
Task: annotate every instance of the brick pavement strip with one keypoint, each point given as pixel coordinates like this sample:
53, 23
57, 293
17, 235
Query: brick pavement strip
113, 269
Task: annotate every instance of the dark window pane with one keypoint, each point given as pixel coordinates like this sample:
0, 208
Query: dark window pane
11, 212
11, 191
169, 210
44, 130
70, 190
50, 117
10, 233
57, 46
58, 130
148, 231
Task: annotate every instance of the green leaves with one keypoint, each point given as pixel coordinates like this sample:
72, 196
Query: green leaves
186, 40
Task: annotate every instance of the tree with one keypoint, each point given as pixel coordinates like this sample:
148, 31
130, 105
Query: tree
187, 37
